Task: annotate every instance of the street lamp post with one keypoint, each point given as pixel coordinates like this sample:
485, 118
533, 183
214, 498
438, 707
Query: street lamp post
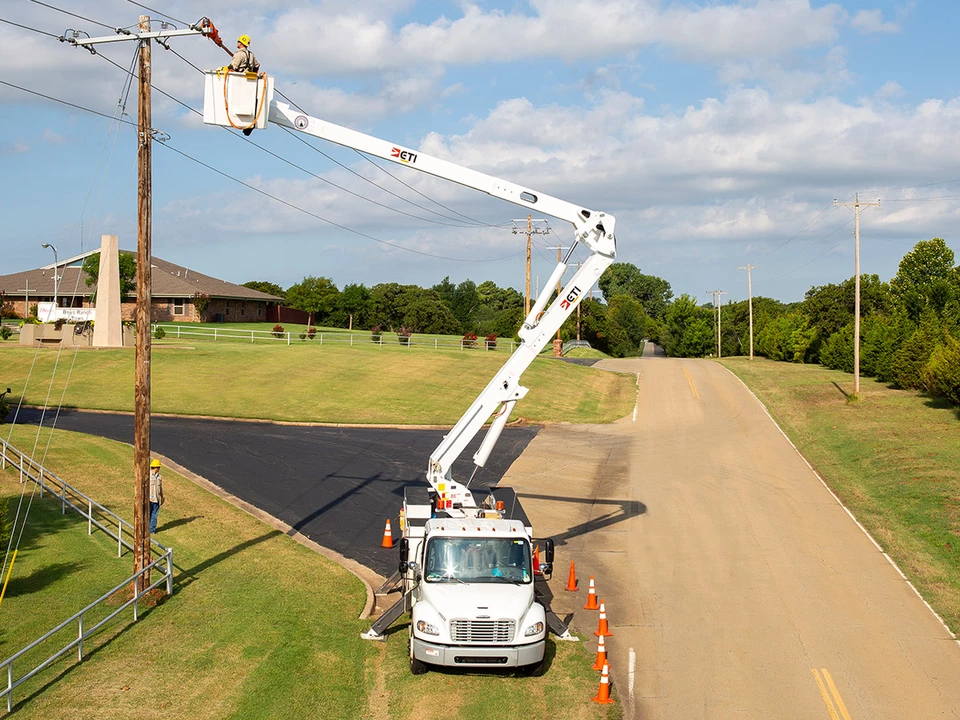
56, 275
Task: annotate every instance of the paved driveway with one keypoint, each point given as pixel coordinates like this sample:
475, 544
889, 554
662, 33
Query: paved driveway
337, 486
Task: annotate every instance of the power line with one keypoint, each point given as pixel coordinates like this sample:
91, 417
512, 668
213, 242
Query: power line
81, 17
182, 22
326, 220
69, 104
33, 29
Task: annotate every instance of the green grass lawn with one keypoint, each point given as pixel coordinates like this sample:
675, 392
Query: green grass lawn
306, 382
893, 458
258, 626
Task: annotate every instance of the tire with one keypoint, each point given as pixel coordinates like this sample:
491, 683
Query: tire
417, 667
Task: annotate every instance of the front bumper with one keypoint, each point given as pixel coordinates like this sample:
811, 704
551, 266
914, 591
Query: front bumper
478, 656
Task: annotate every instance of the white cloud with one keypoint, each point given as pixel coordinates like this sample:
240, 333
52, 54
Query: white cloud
51, 137
870, 22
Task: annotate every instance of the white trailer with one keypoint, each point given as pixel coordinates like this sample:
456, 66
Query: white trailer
466, 561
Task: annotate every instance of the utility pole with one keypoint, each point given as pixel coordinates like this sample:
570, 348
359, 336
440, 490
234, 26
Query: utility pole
559, 249
141, 417
541, 228
856, 205
141, 393
748, 267
26, 299
716, 303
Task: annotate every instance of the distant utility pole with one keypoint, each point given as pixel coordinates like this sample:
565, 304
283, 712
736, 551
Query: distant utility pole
141, 392
559, 249
856, 205
541, 228
748, 267
716, 303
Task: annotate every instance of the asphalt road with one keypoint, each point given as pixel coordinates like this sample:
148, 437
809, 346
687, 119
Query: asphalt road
742, 586
337, 486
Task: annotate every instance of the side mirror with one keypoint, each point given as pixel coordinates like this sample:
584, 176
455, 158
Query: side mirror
548, 551
404, 546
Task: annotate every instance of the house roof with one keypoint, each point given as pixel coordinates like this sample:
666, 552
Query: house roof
168, 280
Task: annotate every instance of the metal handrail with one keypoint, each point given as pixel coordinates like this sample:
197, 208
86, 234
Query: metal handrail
31, 470
82, 634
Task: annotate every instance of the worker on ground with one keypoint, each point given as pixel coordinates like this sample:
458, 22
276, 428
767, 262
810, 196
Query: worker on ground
243, 59
156, 494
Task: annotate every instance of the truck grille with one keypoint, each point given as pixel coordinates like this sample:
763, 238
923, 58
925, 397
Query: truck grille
482, 631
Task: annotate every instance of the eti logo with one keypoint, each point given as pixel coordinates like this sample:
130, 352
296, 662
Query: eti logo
403, 155
570, 298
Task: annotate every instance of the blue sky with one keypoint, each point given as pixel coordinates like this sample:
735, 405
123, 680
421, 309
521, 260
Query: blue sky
719, 134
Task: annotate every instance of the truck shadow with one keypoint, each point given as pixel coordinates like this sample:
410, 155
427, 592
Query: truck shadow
626, 510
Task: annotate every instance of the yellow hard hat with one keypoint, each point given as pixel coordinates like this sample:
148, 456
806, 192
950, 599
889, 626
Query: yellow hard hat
244, 40
154, 463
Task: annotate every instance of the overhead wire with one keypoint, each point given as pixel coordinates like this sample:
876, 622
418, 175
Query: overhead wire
79, 17
33, 29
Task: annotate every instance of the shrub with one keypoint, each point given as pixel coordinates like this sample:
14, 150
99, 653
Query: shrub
5, 332
469, 340
4, 409
277, 331
942, 373
491, 341
303, 336
311, 332
837, 352
159, 333
376, 333
912, 357
404, 334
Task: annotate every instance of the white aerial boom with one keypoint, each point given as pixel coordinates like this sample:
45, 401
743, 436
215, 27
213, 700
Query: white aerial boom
245, 101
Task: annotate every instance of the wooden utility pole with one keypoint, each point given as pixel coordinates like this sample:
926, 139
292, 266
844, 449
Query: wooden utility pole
856, 205
141, 416
541, 229
748, 267
716, 303
559, 249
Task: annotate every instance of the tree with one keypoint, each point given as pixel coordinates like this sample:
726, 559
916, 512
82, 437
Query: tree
314, 295
920, 269
787, 337
201, 303
688, 329
128, 271
266, 287
354, 302
385, 304
626, 279
424, 312
625, 312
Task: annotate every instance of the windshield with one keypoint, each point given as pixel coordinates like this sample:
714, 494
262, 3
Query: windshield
478, 560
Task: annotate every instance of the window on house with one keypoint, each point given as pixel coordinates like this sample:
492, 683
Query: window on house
259, 310
242, 310
178, 307
227, 304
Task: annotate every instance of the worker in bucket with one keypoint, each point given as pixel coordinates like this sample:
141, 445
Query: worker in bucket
156, 493
243, 59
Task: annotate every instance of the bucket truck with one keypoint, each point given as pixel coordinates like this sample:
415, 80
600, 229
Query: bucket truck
467, 560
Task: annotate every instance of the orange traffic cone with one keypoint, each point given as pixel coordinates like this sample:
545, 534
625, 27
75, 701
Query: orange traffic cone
387, 541
603, 630
601, 655
572, 579
591, 597
536, 559
603, 694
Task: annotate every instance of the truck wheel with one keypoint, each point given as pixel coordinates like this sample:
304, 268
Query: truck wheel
417, 667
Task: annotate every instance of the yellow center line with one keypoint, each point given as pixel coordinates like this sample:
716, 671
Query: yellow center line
693, 388
826, 697
836, 695
832, 696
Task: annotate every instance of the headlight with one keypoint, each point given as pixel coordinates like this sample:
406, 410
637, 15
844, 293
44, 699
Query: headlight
428, 629
534, 629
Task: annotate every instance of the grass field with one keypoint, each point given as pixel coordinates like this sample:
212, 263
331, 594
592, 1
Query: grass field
258, 626
305, 382
893, 458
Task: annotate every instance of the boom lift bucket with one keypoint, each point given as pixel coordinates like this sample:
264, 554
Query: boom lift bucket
238, 100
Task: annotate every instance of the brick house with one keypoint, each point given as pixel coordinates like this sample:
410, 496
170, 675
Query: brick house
173, 290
